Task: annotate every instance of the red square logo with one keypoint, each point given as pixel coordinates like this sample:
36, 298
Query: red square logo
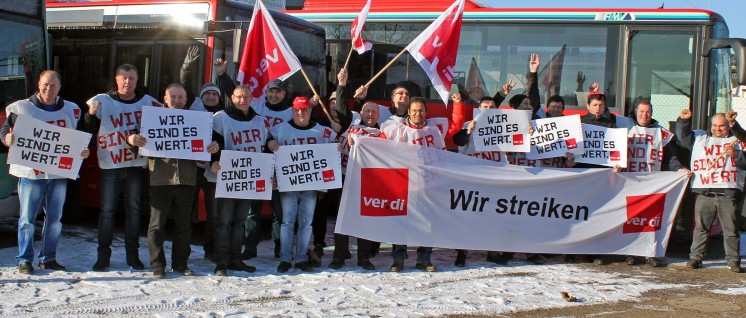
571, 143
76, 113
260, 186
384, 192
65, 163
614, 155
198, 145
328, 175
644, 213
517, 139
327, 132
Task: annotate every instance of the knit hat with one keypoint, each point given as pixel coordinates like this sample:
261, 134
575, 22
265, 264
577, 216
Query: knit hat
209, 87
333, 96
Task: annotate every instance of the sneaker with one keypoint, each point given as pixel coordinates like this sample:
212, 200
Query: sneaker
248, 255
600, 261
694, 263
185, 271
100, 265
397, 266
366, 264
26, 268
241, 266
313, 258
337, 264
52, 265
221, 270
536, 259
159, 272
460, 259
630, 260
136, 264
304, 266
319, 250
734, 265
655, 262
427, 266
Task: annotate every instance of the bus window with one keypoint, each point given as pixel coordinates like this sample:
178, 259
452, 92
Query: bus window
661, 69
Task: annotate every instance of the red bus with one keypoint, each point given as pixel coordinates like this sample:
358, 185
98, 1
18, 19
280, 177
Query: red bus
667, 55
91, 38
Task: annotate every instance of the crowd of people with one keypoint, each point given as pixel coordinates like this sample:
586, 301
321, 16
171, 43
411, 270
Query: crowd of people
275, 121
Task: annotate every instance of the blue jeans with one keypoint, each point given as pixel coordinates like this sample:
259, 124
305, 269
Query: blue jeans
296, 206
113, 182
31, 193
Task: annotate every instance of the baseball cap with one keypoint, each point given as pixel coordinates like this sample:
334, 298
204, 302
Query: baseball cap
276, 83
333, 96
301, 102
209, 87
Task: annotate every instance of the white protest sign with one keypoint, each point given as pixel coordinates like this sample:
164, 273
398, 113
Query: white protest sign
308, 167
175, 133
501, 130
604, 146
244, 175
709, 173
48, 148
553, 137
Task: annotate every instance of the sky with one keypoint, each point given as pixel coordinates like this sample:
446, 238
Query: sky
731, 10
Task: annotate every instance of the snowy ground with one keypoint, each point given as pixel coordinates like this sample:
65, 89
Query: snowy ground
479, 288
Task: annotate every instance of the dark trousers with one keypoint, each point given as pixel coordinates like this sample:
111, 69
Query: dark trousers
342, 247
276, 219
175, 201
112, 182
423, 253
208, 189
253, 227
328, 206
229, 229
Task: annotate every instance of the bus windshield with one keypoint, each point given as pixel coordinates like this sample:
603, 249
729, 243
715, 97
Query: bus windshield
23, 53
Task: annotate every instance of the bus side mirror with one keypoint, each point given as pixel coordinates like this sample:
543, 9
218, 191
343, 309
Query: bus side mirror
739, 50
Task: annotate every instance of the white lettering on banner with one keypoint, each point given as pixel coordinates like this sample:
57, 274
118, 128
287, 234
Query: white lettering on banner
176, 133
244, 175
47, 148
604, 146
405, 194
501, 130
308, 167
723, 173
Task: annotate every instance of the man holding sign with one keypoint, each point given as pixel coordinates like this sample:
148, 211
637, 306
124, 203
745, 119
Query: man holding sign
172, 183
298, 205
718, 180
36, 186
237, 128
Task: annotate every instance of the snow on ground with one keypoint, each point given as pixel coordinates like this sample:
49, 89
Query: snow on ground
730, 291
480, 287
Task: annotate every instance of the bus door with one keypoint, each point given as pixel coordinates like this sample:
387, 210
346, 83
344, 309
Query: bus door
159, 63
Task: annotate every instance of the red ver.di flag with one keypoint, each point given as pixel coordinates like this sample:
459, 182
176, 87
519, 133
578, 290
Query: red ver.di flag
47, 148
356, 31
266, 54
436, 48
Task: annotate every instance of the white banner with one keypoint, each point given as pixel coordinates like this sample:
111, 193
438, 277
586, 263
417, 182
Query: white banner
604, 146
245, 175
48, 148
176, 133
406, 194
308, 167
501, 130
555, 136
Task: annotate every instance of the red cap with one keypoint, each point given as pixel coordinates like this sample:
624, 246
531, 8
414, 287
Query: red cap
301, 102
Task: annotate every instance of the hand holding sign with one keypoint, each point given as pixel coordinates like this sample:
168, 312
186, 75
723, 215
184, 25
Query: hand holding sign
93, 108
136, 140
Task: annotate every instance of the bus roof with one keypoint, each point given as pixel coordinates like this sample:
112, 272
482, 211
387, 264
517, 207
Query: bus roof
347, 10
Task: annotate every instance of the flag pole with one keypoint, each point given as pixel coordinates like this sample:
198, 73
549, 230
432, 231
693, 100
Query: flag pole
385, 67
714, 162
313, 89
349, 55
